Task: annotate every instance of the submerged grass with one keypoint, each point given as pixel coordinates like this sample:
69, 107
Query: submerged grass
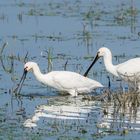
120, 112
119, 98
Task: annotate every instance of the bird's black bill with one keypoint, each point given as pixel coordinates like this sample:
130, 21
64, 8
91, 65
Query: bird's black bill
19, 86
94, 61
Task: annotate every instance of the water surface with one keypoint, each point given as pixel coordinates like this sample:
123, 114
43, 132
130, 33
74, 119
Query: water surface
65, 35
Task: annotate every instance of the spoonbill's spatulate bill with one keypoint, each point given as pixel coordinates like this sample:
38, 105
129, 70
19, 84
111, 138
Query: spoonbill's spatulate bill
18, 89
66, 81
128, 71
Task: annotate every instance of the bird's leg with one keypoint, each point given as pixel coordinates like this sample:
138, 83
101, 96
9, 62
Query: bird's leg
74, 93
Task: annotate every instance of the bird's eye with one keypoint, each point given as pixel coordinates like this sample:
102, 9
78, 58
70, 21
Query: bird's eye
26, 68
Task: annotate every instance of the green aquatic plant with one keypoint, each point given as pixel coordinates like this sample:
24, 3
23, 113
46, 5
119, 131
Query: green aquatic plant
2, 48
10, 58
49, 58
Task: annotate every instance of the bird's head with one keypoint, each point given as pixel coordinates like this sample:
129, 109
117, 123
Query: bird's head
29, 66
102, 51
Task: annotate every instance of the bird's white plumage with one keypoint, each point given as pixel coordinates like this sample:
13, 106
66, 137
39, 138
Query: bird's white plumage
66, 81
129, 70
129, 67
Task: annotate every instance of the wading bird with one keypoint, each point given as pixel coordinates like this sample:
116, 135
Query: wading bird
128, 71
65, 81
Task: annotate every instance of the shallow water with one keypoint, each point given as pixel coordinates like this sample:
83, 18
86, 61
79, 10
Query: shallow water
65, 35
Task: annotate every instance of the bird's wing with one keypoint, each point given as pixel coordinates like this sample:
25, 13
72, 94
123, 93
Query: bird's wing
129, 68
72, 80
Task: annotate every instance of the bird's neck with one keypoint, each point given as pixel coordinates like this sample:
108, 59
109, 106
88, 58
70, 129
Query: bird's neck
37, 73
108, 64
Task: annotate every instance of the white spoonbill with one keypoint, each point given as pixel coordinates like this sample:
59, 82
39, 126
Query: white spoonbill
128, 71
66, 81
